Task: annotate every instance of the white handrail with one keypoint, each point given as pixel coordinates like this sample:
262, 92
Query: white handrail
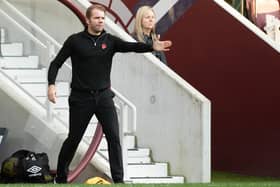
51, 54
84, 3
131, 105
124, 120
23, 29
30, 23
27, 93
162, 7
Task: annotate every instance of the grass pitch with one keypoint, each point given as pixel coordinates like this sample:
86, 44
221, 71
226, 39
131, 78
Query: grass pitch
219, 179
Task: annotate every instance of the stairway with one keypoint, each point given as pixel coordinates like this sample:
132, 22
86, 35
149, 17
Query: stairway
28, 73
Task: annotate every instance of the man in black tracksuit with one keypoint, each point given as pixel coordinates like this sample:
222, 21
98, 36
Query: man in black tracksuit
91, 53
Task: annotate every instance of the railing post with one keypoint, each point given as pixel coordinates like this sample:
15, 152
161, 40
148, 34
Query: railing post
51, 54
124, 131
49, 110
2, 35
2, 40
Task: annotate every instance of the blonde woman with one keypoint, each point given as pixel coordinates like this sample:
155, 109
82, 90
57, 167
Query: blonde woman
144, 29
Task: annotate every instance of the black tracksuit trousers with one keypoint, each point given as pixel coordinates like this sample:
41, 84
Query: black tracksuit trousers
83, 105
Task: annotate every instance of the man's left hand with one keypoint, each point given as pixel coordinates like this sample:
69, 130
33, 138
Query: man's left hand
162, 45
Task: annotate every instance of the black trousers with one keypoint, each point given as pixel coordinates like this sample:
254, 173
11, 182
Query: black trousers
83, 105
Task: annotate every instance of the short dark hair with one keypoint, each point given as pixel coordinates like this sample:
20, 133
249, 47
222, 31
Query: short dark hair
94, 6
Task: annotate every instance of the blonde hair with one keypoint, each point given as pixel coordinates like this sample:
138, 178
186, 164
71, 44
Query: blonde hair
138, 30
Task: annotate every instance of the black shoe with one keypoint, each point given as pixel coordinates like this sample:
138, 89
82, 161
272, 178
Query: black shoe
119, 182
59, 180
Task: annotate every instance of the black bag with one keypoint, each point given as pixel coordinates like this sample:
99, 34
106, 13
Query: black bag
11, 169
26, 166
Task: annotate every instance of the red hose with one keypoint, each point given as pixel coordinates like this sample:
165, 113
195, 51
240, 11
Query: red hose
89, 154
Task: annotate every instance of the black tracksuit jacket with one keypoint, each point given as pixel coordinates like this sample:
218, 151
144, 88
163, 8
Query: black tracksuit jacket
91, 58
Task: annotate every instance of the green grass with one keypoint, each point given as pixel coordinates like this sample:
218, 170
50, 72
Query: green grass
219, 179
223, 179
231, 177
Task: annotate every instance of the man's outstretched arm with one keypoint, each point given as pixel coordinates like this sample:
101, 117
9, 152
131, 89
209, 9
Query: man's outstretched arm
162, 45
139, 47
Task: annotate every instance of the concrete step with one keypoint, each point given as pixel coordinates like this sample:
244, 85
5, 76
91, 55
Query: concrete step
133, 160
131, 143
64, 113
28, 75
134, 155
19, 62
40, 89
147, 170
12, 49
157, 180
139, 160
141, 152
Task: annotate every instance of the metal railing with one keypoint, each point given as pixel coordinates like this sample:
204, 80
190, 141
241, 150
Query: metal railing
25, 31
15, 82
